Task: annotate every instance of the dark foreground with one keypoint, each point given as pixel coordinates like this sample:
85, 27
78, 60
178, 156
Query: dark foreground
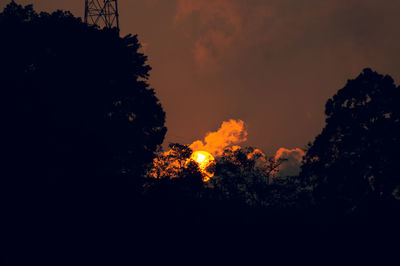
105, 225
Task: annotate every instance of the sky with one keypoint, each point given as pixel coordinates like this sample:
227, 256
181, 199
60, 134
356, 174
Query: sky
270, 63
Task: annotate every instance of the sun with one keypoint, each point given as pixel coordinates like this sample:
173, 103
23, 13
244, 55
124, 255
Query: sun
204, 160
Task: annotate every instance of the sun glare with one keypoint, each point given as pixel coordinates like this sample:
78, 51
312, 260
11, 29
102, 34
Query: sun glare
204, 160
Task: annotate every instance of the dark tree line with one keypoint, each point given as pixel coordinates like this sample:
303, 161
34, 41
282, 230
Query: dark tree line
83, 131
76, 97
354, 162
81, 128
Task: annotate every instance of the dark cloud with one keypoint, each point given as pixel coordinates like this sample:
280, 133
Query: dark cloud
291, 161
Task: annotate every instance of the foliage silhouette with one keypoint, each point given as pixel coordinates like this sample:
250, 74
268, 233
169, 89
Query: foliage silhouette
354, 162
244, 178
170, 164
174, 175
247, 176
81, 124
77, 99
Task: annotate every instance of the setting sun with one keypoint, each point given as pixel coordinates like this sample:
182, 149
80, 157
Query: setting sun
204, 160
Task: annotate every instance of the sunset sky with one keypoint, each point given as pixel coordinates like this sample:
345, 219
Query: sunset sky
271, 63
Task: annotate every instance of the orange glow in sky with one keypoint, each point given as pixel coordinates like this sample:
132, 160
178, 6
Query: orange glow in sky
204, 160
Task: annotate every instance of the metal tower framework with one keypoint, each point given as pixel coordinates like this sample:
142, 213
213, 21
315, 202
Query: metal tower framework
103, 13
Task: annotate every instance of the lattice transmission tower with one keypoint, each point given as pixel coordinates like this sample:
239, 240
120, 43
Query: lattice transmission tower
103, 13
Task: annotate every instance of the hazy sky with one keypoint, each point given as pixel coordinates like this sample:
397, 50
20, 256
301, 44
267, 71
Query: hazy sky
271, 63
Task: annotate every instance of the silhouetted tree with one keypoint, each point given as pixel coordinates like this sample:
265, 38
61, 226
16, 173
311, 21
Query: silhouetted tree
243, 175
77, 100
355, 160
174, 174
80, 123
171, 164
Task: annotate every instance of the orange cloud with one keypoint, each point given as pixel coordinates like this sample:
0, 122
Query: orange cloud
256, 154
230, 134
170, 163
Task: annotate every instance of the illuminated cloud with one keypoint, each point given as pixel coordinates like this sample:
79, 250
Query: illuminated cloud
230, 134
255, 154
292, 161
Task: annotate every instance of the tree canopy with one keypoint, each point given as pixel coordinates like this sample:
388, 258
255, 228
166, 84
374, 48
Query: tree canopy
77, 98
355, 158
